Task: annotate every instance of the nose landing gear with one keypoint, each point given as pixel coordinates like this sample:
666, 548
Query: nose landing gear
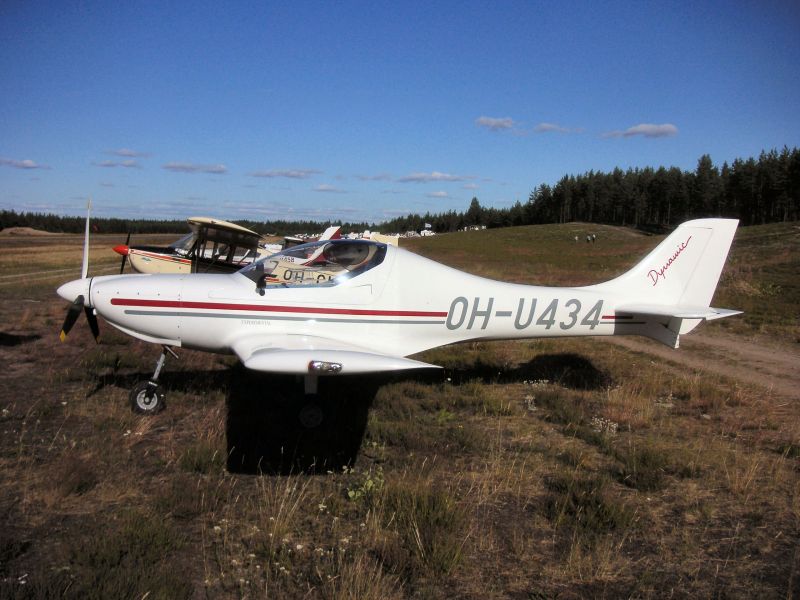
146, 398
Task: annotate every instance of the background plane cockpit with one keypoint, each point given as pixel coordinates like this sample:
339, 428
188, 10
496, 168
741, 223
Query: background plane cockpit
323, 263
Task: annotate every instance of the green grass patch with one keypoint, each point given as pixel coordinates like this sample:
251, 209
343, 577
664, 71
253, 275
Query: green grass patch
585, 504
203, 456
431, 528
129, 557
76, 476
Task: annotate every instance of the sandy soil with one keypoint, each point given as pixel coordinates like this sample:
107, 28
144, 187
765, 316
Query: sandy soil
25, 231
772, 365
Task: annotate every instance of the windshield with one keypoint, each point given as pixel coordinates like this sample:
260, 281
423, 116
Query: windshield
318, 263
183, 245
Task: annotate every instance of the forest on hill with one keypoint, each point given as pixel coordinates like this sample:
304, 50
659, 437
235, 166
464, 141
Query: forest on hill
754, 190
59, 224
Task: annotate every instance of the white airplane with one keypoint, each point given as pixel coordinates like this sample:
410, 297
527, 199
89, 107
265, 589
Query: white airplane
213, 246
342, 307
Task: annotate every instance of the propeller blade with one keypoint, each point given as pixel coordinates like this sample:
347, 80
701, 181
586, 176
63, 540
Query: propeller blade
72, 316
125, 254
93, 325
85, 267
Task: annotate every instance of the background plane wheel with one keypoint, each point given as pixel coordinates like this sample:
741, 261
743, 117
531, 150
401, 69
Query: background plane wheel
311, 415
147, 399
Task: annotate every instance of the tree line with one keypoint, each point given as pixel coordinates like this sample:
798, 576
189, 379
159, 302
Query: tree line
756, 191
59, 224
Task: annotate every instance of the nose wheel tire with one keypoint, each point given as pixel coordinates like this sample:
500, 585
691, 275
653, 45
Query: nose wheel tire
147, 399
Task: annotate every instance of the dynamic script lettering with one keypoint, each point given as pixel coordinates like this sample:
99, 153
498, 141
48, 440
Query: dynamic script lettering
657, 274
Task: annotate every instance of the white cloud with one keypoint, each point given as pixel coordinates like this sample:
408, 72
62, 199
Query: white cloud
392, 213
21, 164
128, 153
177, 167
110, 164
550, 127
438, 195
649, 130
433, 177
280, 211
470, 186
287, 173
378, 177
324, 187
495, 123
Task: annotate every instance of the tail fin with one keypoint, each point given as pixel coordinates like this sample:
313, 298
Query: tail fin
672, 286
682, 270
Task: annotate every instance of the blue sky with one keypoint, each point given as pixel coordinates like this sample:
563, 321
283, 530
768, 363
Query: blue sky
369, 110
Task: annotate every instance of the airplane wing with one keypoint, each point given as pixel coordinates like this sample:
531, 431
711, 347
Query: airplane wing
304, 355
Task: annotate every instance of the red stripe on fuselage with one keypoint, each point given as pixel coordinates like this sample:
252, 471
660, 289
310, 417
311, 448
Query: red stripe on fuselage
273, 308
163, 257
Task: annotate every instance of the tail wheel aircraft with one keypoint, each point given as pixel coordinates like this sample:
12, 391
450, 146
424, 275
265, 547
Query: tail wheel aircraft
212, 246
344, 307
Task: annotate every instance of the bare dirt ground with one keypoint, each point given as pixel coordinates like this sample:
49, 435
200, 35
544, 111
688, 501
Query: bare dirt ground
757, 360
25, 231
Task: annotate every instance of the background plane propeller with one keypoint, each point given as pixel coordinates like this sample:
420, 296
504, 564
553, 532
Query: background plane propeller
124, 251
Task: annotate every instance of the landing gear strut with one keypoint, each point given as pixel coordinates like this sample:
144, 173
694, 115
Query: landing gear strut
311, 415
146, 397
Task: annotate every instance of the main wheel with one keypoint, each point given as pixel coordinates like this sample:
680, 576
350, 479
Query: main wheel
311, 415
147, 399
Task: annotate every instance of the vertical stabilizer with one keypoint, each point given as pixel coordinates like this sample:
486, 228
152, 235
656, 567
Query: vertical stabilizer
683, 270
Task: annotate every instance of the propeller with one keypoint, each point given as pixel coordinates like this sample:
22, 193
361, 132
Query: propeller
68, 289
123, 250
72, 316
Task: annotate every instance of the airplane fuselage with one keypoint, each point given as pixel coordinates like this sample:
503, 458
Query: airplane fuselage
379, 310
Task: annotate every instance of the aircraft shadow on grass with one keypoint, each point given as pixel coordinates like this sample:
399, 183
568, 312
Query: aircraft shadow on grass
264, 430
267, 424
13, 339
566, 369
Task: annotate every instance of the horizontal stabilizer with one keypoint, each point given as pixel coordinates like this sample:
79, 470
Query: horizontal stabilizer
708, 313
666, 324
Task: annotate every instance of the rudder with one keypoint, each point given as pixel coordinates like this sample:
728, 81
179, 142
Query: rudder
683, 270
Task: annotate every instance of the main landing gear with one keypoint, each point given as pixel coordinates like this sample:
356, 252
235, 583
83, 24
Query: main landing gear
311, 414
146, 397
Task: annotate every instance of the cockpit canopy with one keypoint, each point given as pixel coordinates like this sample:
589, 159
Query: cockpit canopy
322, 263
225, 245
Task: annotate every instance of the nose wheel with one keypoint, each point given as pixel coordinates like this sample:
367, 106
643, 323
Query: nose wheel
146, 396
147, 399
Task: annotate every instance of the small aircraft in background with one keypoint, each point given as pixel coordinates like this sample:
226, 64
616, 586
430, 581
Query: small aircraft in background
212, 246
339, 307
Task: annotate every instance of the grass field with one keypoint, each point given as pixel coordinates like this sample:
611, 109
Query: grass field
537, 469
